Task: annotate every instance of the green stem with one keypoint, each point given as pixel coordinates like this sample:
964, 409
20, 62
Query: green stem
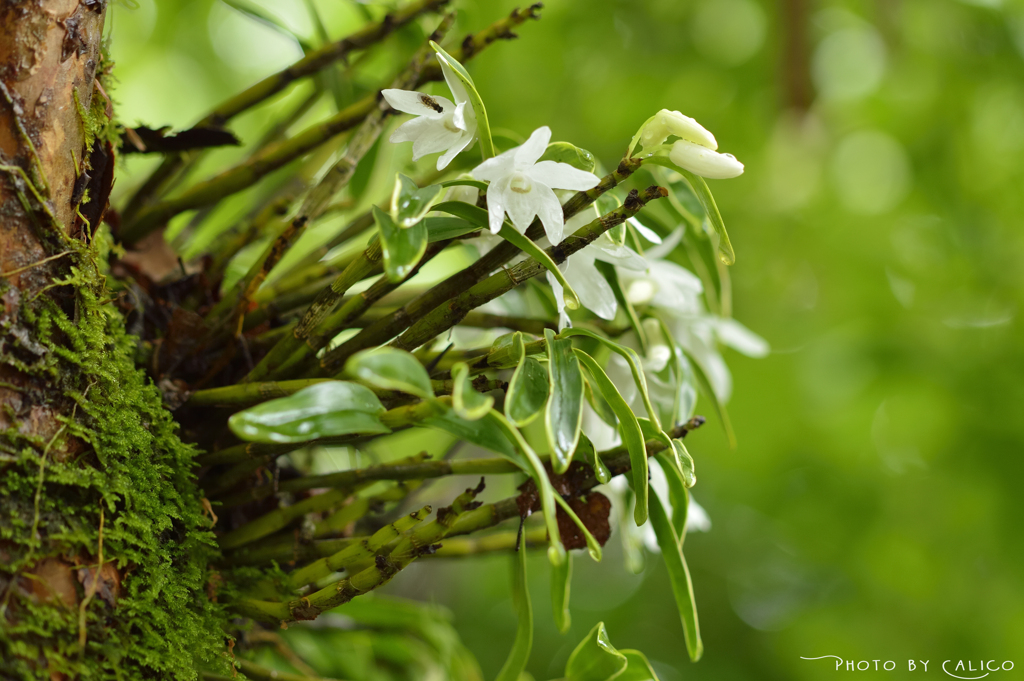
459, 547
273, 84
276, 155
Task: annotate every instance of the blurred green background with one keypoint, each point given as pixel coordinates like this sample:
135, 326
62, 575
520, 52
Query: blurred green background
872, 509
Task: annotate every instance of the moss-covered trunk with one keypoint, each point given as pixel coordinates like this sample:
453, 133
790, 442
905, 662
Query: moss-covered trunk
103, 542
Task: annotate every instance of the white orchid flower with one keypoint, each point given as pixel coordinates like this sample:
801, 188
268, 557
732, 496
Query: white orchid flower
440, 124
593, 290
696, 148
524, 188
702, 161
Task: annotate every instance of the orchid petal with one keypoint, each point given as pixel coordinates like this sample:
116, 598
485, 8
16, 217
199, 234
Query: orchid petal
494, 168
416, 103
562, 176
704, 162
497, 194
454, 84
532, 149
454, 150
550, 212
523, 206
740, 338
593, 289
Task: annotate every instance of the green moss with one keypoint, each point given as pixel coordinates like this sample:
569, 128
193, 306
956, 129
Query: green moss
117, 451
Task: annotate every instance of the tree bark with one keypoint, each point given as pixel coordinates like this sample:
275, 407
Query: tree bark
103, 543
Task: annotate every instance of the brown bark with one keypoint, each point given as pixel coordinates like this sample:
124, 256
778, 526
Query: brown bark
796, 54
49, 51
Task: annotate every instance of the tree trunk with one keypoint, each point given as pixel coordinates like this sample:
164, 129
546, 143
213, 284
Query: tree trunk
103, 542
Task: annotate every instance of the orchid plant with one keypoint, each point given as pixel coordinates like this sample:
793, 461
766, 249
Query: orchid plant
428, 312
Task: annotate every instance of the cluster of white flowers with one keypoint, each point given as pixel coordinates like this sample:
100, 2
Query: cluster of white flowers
522, 187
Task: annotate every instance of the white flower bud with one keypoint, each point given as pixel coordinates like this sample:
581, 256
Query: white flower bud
668, 123
704, 162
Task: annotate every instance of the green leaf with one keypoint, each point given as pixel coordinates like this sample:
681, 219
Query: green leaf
679, 577
402, 248
483, 127
528, 388
564, 152
409, 203
677, 493
482, 186
637, 667
635, 367
483, 433
705, 387
467, 402
700, 188
391, 369
535, 467
593, 546
515, 664
520, 241
322, 410
630, 431
595, 658
586, 451
561, 580
439, 229
685, 463
564, 414
607, 270
478, 216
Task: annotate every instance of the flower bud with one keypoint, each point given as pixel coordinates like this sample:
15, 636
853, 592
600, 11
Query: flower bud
667, 123
704, 162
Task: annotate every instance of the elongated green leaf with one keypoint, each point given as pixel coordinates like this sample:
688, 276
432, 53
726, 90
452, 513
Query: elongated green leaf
483, 433
483, 126
635, 368
528, 389
705, 388
520, 241
321, 410
629, 429
409, 203
593, 546
564, 152
700, 188
585, 451
599, 405
391, 369
467, 402
520, 653
595, 658
439, 229
707, 201
679, 577
402, 248
482, 186
637, 667
686, 466
561, 580
607, 271
564, 414
677, 493
556, 551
